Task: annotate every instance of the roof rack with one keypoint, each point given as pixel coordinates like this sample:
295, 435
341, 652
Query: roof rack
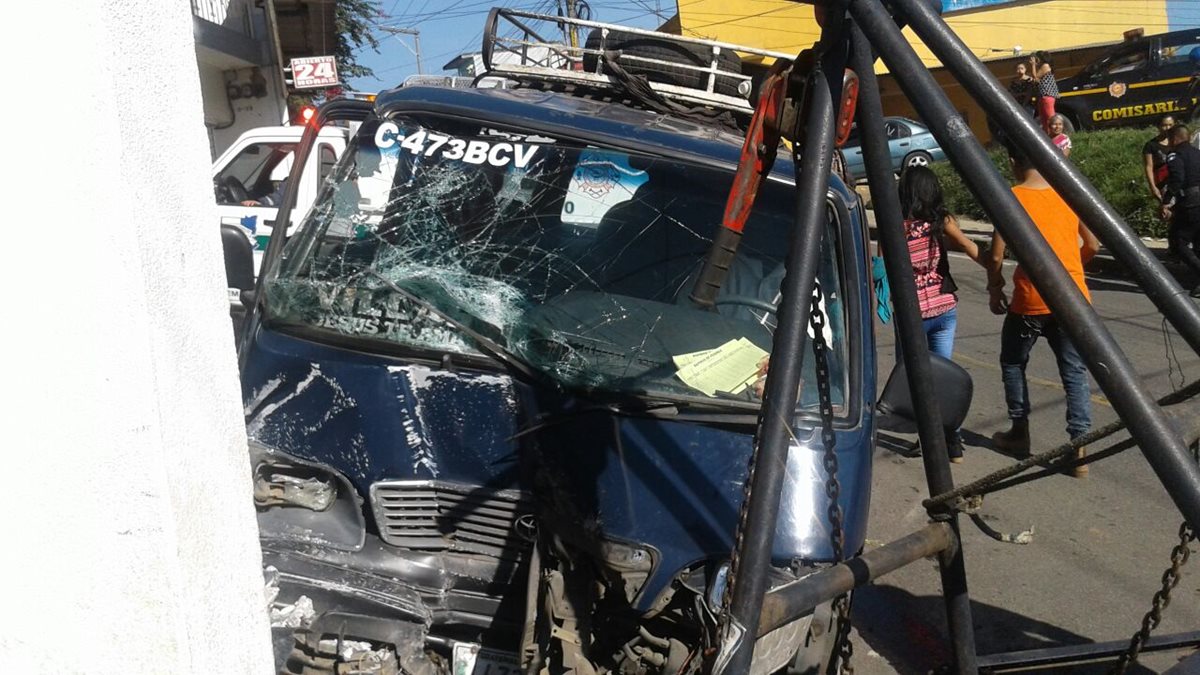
437, 81
526, 56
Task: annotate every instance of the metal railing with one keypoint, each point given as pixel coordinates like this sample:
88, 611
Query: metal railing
515, 46
215, 11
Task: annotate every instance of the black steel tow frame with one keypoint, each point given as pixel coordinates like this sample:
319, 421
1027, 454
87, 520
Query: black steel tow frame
774, 433
874, 27
1164, 449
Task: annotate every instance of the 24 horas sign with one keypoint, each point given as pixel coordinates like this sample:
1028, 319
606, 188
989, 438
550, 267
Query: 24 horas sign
313, 72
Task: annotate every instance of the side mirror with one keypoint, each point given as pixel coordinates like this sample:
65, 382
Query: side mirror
239, 273
239, 258
952, 386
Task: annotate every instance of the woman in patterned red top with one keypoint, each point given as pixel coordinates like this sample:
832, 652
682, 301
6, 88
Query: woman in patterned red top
1047, 85
931, 231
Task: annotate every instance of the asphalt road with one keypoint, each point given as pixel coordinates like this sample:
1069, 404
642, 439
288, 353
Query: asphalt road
1100, 544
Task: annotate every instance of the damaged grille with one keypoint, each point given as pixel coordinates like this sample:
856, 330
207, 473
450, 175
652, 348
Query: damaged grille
442, 516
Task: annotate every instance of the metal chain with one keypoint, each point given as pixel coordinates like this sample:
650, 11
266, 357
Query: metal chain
1162, 598
833, 488
740, 533
844, 648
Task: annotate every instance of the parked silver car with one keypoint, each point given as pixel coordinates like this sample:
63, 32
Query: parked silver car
910, 143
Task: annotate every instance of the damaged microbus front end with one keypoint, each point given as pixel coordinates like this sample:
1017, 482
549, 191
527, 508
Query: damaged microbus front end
489, 426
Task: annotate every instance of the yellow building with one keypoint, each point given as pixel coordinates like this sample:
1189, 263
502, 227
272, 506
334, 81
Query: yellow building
999, 32
991, 28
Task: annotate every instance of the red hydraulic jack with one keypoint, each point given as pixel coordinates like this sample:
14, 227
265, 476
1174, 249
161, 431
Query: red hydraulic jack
777, 117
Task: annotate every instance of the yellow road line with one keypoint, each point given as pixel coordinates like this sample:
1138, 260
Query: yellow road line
1033, 379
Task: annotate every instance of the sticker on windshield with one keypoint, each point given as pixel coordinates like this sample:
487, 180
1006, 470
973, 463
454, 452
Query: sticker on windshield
393, 317
601, 181
475, 151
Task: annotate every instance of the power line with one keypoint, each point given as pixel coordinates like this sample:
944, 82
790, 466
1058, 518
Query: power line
406, 7
416, 35
457, 10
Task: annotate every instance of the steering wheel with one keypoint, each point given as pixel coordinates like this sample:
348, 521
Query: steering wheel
231, 191
747, 301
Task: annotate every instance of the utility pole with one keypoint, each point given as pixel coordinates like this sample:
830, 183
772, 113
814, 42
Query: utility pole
416, 34
574, 29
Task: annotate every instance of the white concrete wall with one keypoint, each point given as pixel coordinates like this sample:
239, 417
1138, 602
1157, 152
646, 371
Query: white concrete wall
245, 114
129, 540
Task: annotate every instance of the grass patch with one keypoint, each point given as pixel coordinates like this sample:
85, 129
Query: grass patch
1111, 160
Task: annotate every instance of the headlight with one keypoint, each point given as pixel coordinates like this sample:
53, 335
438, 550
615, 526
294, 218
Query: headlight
277, 486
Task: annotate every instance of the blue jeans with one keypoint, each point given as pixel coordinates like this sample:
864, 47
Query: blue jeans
939, 334
1017, 338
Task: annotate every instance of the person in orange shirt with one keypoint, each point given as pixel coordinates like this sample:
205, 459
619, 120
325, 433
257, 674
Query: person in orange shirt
1027, 317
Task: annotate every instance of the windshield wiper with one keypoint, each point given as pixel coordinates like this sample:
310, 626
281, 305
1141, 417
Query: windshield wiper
662, 409
557, 417
487, 345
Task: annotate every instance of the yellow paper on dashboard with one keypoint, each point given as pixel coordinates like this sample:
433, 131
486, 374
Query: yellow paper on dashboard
730, 368
684, 360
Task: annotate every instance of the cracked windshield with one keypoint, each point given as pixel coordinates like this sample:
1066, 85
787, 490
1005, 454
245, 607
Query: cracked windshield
573, 259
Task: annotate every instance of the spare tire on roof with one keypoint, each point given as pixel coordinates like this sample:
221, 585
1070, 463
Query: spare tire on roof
633, 44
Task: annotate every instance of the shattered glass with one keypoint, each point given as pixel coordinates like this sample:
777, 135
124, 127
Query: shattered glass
575, 259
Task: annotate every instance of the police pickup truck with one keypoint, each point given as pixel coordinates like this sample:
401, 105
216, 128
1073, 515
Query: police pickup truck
1134, 83
247, 177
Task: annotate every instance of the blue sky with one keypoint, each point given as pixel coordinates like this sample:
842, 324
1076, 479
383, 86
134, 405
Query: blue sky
948, 5
452, 27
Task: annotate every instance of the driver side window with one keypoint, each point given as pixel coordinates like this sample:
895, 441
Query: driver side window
1126, 63
255, 172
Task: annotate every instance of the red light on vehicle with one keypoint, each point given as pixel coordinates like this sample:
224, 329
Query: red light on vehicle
307, 113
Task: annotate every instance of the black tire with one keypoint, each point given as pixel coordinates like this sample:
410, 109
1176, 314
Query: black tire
1070, 118
1185, 104
917, 158
651, 48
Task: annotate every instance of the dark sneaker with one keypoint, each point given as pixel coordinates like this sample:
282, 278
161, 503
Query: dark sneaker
1015, 441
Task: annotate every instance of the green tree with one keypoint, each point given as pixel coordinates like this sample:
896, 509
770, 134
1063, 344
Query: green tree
354, 21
